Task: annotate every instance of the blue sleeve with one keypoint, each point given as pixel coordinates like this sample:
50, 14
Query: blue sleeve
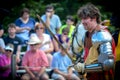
58, 22
34, 21
43, 18
54, 62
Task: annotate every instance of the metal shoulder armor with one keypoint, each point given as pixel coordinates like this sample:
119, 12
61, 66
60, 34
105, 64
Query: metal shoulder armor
101, 36
103, 40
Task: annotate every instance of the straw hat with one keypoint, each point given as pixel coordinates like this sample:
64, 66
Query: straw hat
34, 39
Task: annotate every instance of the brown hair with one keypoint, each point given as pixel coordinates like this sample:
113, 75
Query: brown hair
66, 29
89, 10
70, 18
24, 10
49, 7
12, 25
38, 24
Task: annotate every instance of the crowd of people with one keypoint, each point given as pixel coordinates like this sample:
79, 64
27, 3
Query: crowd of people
43, 51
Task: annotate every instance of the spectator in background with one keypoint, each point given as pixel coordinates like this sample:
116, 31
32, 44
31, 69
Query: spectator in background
5, 62
46, 45
24, 24
35, 60
62, 38
46, 42
105, 22
13, 39
60, 66
1, 31
69, 24
2, 45
52, 20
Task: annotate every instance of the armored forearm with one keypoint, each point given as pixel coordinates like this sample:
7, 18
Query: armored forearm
105, 59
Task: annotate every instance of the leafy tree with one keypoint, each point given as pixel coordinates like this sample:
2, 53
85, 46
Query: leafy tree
62, 8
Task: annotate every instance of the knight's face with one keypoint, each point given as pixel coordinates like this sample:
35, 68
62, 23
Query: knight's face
88, 23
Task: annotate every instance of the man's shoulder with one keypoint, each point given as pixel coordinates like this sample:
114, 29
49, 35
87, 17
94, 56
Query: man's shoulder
1, 39
101, 36
18, 38
43, 16
27, 53
2, 56
102, 32
6, 37
56, 16
17, 20
40, 52
72, 26
31, 18
56, 53
63, 26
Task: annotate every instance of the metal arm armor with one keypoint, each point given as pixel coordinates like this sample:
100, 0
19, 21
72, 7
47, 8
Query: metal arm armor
102, 41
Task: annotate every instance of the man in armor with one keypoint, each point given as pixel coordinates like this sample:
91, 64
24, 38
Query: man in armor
98, 46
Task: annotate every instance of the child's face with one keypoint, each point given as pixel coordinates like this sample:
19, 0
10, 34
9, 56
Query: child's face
69, 22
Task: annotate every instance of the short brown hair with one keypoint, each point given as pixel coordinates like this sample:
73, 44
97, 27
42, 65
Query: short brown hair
50, 6
70, 18
24, 10
89, 10
66, 29
12, 25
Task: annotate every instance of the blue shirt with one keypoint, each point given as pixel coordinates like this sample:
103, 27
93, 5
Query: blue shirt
55, 23
25, 34
61, 62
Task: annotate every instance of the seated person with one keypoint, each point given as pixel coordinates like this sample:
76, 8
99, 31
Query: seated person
5, 62
35, 61
62, 38
51, 20
69, 24
60, 66
1, 31
25, 23
13, 39
46, 42
2, 45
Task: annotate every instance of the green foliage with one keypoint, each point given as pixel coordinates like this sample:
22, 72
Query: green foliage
62, 8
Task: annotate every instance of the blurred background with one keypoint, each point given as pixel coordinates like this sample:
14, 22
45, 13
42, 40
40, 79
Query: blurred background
10, 9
